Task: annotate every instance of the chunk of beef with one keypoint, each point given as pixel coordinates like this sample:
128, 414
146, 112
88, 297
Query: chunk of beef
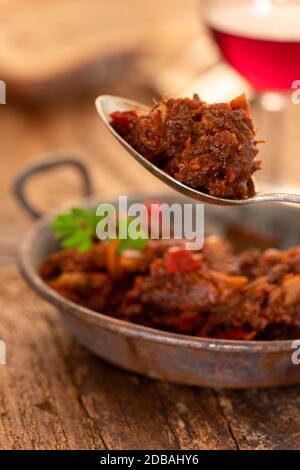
90, 289
210, 147
209, 293
72, 260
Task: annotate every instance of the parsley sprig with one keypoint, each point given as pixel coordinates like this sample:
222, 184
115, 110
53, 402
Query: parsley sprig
77, 229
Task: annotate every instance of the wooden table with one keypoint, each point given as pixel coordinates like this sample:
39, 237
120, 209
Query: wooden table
56, 395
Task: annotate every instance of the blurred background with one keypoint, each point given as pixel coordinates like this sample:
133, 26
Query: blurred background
56, 56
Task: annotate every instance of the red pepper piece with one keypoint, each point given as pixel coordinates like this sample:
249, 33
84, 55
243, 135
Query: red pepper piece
180, 260
123, 118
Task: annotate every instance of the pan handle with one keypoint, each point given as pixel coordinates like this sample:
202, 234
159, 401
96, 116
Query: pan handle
48, 163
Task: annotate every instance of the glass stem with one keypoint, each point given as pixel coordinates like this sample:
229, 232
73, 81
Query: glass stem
272, 110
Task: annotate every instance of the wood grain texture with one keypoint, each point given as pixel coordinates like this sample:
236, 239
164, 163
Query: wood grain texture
56, 395
54, 49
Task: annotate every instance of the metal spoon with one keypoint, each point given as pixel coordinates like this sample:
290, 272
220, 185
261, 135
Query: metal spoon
106, 104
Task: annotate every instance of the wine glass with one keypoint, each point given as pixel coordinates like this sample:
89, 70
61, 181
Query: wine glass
261, 40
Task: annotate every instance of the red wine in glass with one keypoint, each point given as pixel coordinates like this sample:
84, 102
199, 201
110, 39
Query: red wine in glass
260, 39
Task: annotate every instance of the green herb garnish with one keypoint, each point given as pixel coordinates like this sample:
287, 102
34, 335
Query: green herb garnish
77, 229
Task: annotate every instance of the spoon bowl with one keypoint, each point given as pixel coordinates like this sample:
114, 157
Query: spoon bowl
106, 104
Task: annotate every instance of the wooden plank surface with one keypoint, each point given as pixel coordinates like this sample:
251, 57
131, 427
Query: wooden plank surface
56, 395
55, 48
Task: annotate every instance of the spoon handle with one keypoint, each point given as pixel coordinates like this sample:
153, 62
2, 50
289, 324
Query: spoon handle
280, 197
